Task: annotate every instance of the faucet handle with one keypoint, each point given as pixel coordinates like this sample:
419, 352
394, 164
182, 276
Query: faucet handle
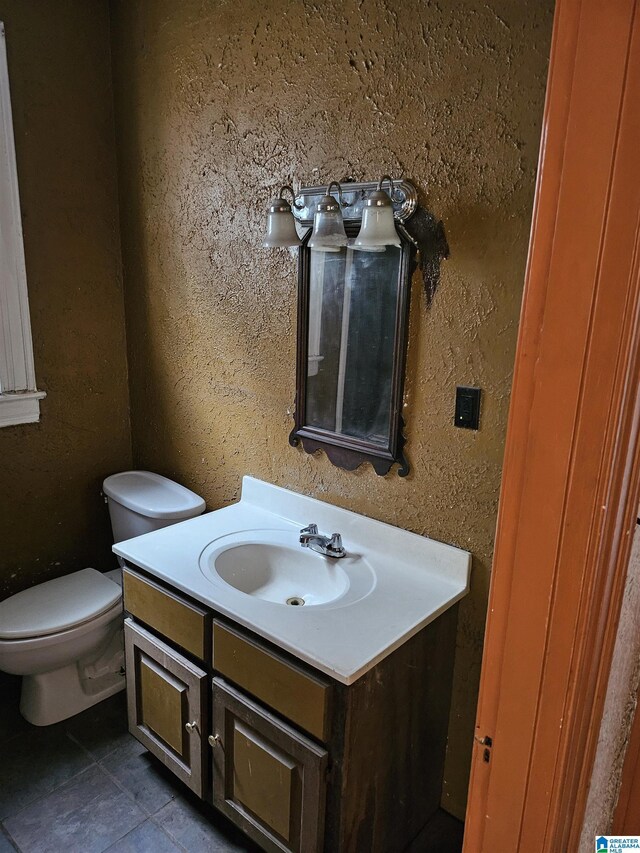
311, 529
334, 546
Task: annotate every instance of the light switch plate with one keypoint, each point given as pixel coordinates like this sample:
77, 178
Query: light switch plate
467, 413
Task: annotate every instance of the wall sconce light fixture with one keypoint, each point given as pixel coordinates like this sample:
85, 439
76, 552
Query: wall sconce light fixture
328, 233
281, 226
329, 220
378, 228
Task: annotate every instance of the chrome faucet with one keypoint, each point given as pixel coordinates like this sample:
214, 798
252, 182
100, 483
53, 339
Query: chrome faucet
330, 546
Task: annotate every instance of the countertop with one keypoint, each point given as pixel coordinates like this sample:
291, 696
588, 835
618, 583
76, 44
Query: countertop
416, 578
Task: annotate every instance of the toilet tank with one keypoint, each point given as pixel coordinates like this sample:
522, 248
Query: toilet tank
141, 501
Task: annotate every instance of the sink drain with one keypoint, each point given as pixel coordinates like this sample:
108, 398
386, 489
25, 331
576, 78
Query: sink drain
295, 601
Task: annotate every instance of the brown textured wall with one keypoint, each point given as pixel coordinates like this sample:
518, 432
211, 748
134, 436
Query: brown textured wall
619, 710
52, 520
219, 103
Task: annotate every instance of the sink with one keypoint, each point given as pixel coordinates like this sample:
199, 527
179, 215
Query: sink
280, 574
271, 565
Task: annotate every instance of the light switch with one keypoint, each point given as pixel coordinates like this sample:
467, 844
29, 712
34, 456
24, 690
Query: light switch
467, 407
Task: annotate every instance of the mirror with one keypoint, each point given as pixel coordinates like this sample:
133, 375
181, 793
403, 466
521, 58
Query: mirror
352, 331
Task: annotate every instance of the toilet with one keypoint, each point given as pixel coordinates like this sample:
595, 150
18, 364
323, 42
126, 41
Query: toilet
64, 636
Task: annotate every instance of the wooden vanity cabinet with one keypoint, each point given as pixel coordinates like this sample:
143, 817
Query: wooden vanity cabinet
299, 762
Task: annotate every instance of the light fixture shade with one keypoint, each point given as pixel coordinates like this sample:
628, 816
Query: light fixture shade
328, 227
378, 226
281, 226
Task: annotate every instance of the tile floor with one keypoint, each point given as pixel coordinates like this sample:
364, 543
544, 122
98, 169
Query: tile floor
86, 786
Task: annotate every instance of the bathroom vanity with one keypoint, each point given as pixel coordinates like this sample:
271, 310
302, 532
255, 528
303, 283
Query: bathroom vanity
314, 726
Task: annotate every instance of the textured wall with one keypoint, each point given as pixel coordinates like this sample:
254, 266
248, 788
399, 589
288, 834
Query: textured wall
217, 104
52, 519
619, 709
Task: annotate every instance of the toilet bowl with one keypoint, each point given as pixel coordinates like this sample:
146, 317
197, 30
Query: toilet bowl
64, 636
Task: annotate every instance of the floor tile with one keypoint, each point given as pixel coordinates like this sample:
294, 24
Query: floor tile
146, 838
127, 748
86, 815
442, 834
5, 845
149, 784
103, 728
34, 764
12, 723
198, 828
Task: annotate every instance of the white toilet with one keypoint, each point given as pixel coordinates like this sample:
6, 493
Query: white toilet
64, 636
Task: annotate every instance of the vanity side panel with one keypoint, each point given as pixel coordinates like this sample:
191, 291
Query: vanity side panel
396, 718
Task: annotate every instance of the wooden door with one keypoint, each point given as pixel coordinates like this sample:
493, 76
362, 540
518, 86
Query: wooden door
267, 777
571, 477
166, 697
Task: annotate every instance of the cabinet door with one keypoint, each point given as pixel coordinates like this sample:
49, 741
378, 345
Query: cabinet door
165, 696
267, 778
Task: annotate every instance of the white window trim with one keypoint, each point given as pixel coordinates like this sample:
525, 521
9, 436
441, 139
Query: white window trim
19, 397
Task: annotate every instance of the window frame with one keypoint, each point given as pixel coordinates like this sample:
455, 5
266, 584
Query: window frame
19, 396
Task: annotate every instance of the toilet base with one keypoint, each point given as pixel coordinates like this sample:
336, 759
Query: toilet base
50, 697
54, 696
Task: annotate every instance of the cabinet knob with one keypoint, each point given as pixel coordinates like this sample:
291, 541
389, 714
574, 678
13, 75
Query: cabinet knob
214, 740
191, 727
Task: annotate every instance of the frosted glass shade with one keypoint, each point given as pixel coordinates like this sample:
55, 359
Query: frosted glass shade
378, 227
328, 227
281, 227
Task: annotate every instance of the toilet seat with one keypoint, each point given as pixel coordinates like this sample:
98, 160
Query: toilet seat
57, 606
75, 633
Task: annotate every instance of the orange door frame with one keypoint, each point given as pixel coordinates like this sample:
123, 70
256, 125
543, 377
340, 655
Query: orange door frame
571, 477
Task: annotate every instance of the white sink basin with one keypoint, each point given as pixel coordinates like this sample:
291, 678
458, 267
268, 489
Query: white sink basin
271, 565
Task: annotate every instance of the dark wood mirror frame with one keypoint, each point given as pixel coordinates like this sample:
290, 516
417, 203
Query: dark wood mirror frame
343, 450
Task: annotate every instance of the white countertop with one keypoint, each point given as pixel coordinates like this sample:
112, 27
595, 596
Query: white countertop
416, 578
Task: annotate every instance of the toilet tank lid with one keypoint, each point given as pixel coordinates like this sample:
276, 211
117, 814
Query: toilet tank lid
152, 495
57, 605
